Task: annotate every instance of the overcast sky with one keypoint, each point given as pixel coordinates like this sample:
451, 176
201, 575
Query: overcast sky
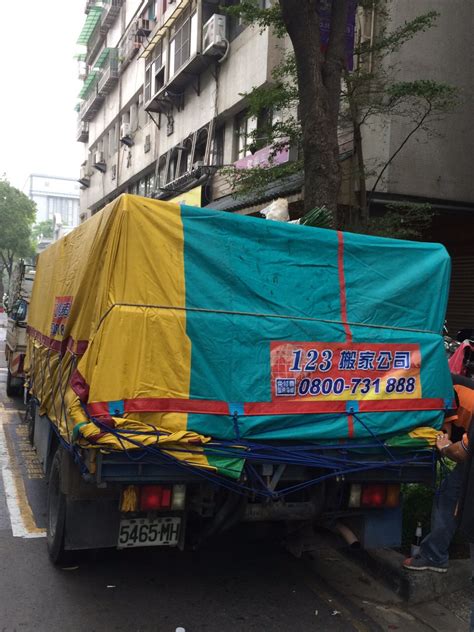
39, 88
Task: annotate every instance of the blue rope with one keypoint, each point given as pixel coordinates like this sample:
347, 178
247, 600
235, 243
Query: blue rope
254, 452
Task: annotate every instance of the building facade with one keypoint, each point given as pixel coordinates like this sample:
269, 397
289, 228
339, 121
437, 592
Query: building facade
434, 168
57, 199
162, 107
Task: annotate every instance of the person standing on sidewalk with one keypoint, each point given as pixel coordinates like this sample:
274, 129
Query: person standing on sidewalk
434, 549
466, 508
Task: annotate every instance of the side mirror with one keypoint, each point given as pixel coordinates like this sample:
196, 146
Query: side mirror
19, 312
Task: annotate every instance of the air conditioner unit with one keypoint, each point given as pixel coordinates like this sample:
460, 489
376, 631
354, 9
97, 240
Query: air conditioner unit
144, 26
124, 130
126, 134
213, 35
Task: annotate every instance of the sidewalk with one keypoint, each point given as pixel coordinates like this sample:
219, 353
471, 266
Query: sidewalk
371, 582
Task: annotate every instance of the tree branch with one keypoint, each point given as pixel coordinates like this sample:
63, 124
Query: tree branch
395, 154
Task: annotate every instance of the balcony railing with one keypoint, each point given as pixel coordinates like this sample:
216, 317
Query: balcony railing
82, 135
110, 73
129, 49
94, 44
110, 14
91, 106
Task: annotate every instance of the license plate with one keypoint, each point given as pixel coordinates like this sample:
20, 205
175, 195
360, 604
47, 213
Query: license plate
147, 532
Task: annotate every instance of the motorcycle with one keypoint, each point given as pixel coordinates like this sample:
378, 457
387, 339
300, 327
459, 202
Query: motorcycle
461, 356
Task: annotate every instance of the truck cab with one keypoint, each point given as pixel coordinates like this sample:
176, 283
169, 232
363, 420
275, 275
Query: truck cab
15, 344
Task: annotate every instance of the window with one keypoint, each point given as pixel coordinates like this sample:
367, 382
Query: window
155, 72
66, 208
173, 166
236, 24
160, 8
218, 146
149, 184
245, 126
252, 133
201, 146
185, 156
180, 46
162, 172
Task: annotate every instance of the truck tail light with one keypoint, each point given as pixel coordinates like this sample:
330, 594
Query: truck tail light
374, 495
153, 497
393, 496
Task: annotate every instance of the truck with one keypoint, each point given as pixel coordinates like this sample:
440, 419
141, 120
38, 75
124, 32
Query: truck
18, 299
191, 371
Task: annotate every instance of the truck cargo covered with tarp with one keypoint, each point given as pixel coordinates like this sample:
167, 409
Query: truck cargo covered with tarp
200, 334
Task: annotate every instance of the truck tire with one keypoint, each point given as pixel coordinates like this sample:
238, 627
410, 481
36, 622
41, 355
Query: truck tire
10, 388
13, 388
56, 504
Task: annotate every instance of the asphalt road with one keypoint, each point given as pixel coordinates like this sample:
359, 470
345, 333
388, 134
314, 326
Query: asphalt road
234, 586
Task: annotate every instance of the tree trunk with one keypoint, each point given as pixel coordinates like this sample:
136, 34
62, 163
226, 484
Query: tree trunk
319, 84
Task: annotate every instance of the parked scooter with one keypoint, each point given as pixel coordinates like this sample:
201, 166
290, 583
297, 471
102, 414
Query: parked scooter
461, 361
450, 344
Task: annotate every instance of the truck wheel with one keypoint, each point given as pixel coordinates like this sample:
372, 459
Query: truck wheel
56, 514
11, 389
14, 385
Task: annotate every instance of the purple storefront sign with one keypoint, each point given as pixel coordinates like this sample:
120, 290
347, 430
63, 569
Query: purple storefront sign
261, 158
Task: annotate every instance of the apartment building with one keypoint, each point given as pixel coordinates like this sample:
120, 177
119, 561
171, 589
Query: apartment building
161, 104
162, 109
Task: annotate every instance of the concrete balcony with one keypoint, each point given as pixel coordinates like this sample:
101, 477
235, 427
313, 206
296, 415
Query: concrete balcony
82, 135
129, 49
110, 14
91, 106
110, 74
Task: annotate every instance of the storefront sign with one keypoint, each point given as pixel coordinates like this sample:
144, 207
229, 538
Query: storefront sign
261, 158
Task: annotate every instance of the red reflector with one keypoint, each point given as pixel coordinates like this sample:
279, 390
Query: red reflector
373, 495
155, 497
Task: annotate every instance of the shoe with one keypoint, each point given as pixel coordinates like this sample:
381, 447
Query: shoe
419, 563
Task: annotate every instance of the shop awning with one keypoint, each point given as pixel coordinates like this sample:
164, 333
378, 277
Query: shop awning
280, 188
161, 28
102, 58
88, 83
91, 22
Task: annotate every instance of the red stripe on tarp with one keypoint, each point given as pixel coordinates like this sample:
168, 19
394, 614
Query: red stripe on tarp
350, 426
210, 407
368, 406
163, 405
342, 285
78, 347
79, 386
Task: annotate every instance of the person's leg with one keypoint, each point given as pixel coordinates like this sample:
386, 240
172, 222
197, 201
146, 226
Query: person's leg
434, 548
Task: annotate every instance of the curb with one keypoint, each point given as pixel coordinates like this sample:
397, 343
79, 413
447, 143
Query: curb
413, 586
